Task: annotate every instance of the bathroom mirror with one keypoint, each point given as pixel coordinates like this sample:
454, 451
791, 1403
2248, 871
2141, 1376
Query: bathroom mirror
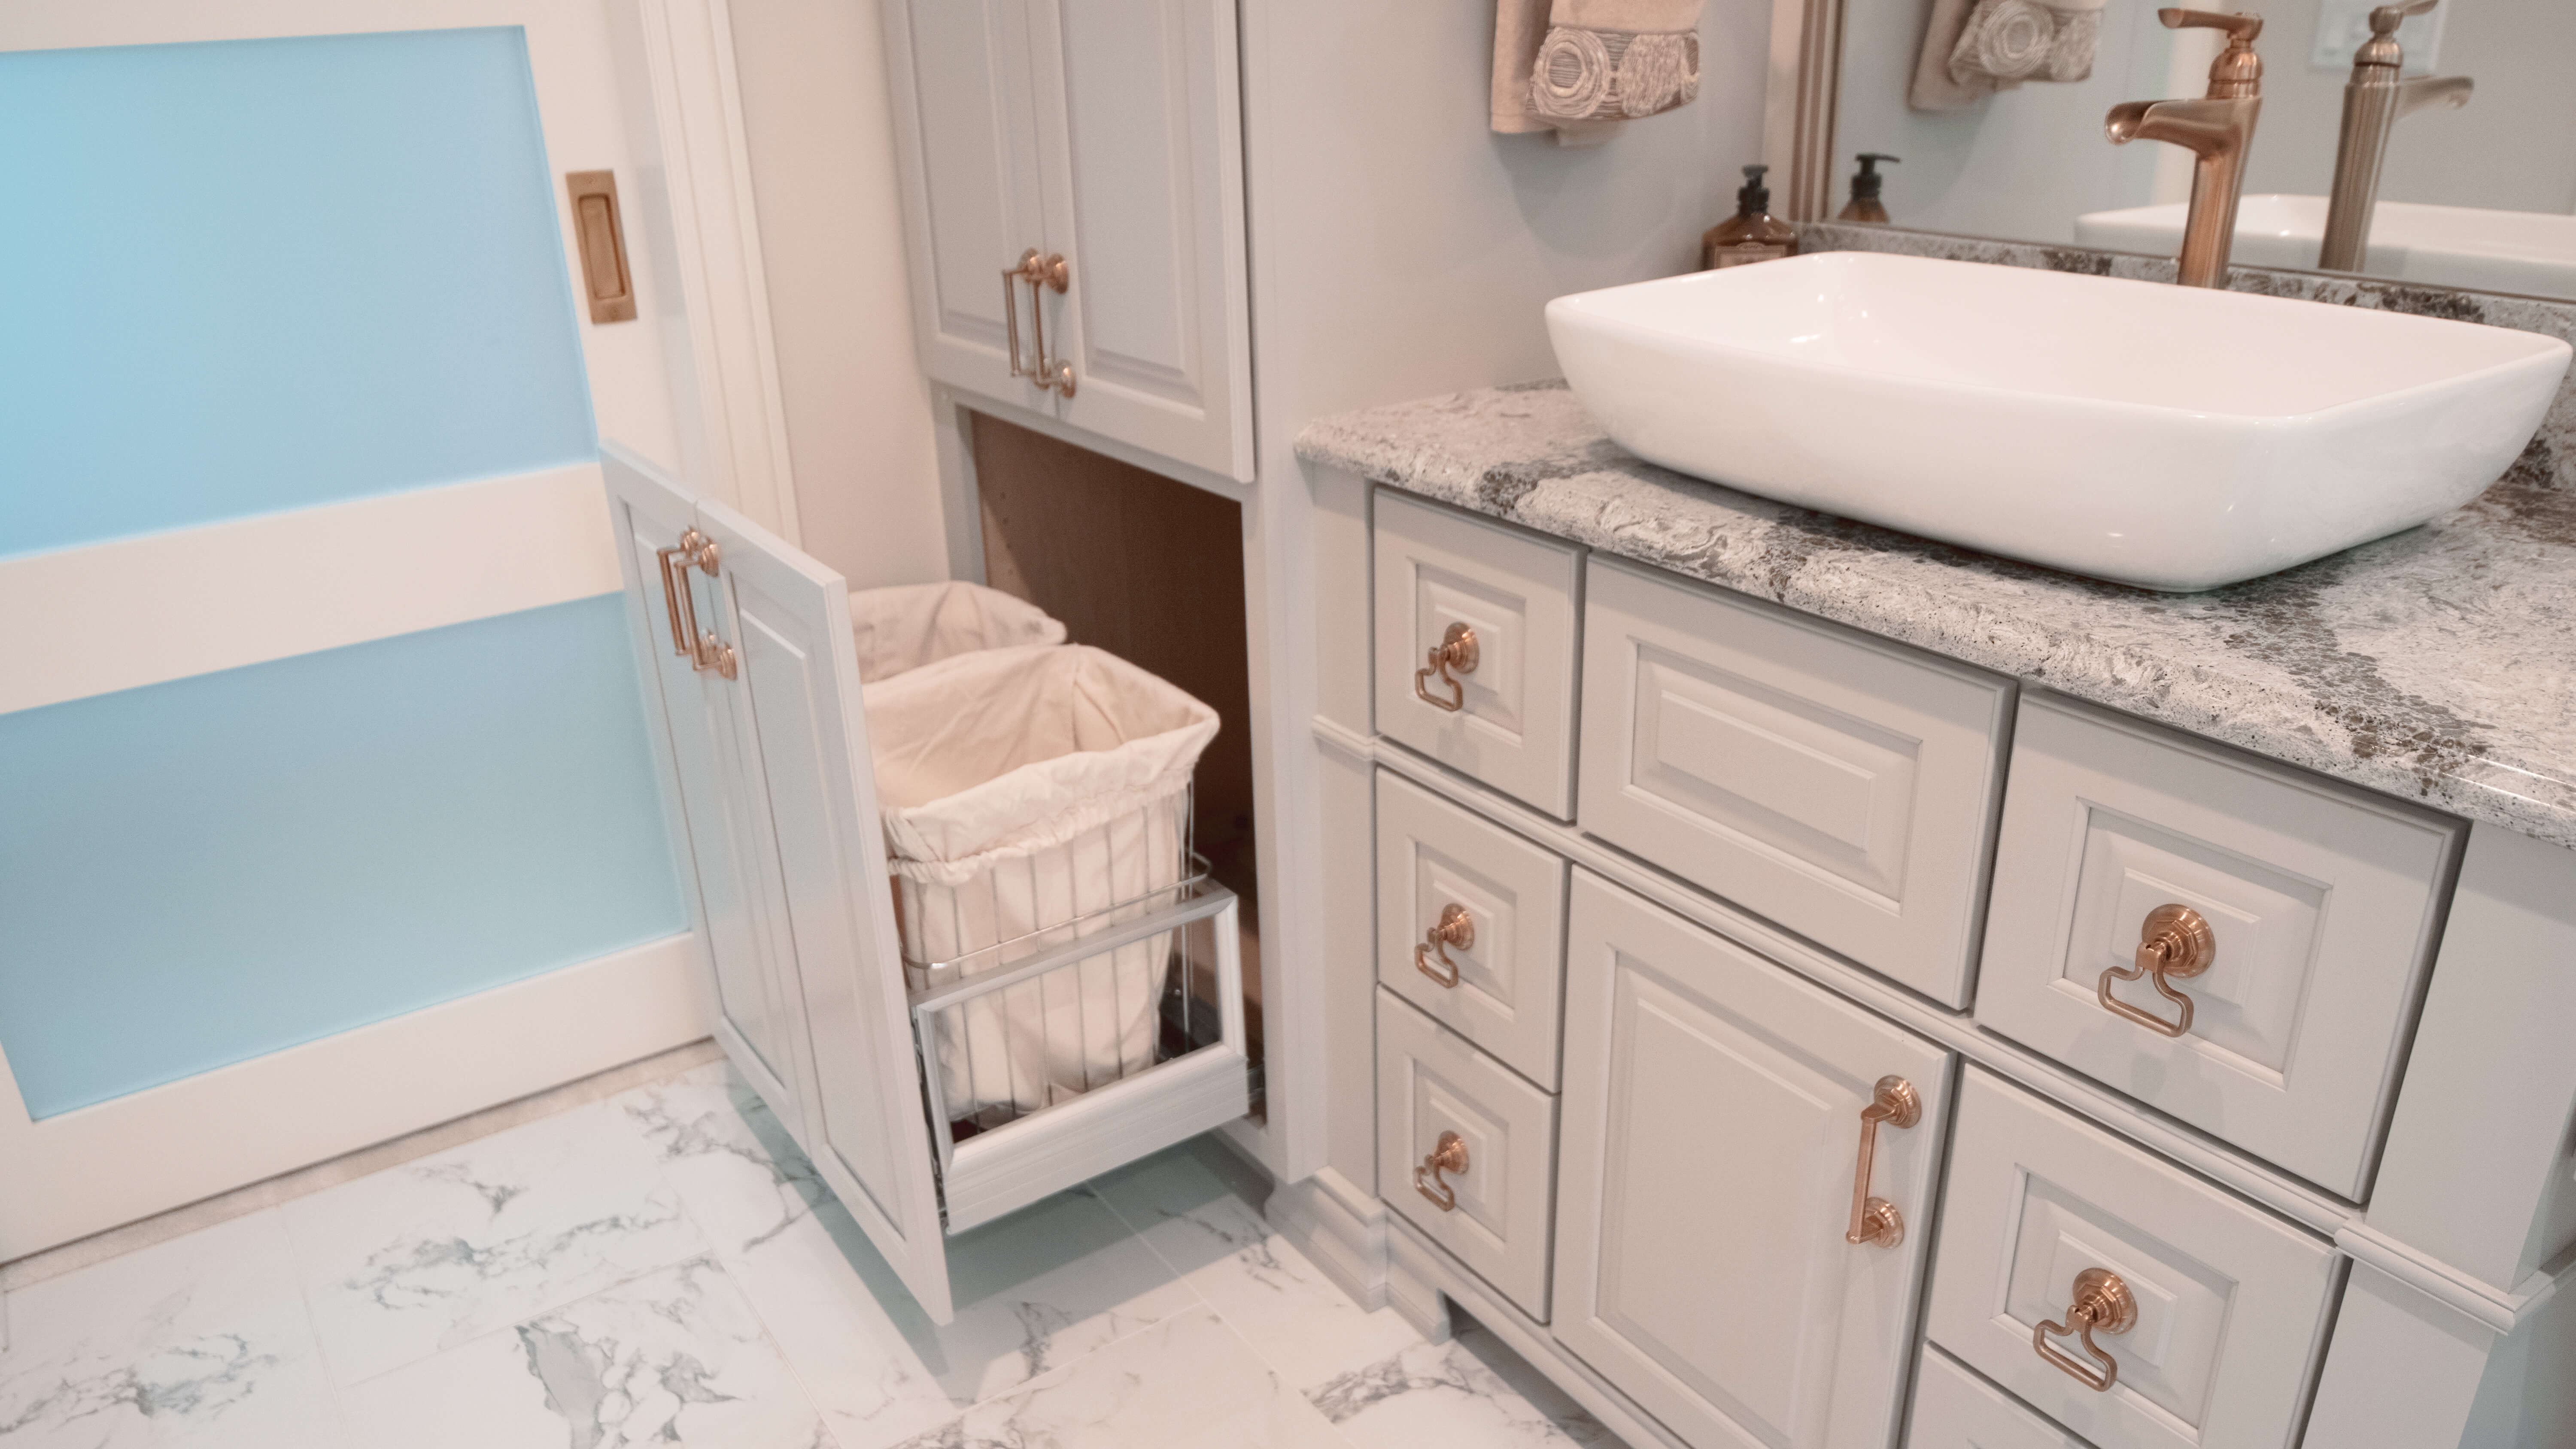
2478, 196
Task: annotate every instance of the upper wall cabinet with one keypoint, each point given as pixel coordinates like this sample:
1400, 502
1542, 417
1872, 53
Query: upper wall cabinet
1100, 142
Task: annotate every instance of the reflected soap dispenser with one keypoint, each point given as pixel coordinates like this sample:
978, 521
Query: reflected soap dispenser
1753, 234
1864, 204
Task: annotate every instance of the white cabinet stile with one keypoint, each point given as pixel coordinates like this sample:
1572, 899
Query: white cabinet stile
1712, 1134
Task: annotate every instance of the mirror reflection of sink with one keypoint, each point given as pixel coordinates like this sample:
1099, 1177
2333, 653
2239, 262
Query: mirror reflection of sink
2170, 437
2443, 246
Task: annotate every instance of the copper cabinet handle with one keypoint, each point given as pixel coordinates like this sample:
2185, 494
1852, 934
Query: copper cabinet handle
1456, 652
2174, 942
1449, 1154
2102, 1304
1456, 928
696, 550
1050, 271
1875, 1219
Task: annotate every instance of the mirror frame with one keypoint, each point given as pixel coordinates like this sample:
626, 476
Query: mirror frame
1799, 104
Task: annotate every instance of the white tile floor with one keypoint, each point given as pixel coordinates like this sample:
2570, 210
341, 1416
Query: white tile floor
663, 1267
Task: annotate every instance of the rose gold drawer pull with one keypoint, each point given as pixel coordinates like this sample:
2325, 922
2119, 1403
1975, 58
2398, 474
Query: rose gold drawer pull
1875, 1219
1456, 928
1455, 655
2175, 942
1449, 1154
2103, 1304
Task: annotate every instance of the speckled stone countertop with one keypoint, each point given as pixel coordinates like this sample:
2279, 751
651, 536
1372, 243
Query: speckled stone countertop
2438, 665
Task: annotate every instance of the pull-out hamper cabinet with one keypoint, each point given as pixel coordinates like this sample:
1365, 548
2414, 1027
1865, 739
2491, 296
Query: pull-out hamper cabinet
752, 687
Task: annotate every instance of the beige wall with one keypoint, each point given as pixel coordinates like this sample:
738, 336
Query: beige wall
831, 239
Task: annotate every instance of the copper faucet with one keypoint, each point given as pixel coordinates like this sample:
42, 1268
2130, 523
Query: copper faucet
2372, 101
2217, 129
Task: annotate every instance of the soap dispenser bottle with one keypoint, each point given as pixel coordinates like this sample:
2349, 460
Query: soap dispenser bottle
1864, 204
1753, 234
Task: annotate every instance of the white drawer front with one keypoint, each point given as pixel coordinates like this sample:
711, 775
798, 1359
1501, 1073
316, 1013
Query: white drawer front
1713, 1122
1430, 1082
1514, 725
1955, 1409
1843, 787
2321, 907
2229, 1300
1439, 865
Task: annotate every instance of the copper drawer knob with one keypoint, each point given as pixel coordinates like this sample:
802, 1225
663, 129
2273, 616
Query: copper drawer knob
1448, 1155
1875, 1219
1455, 655
1456, 928
2174, 944
2102, 1304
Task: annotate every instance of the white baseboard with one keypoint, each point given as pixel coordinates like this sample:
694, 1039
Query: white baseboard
1340, 1228
1422, 1281
87, 1171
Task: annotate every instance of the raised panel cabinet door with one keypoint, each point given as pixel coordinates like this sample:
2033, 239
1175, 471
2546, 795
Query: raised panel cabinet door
1843, 786
1714, 1115
1139, 132
2320, 905
966, 149
804, 769
2226, 1303
757, 1019
1471, 925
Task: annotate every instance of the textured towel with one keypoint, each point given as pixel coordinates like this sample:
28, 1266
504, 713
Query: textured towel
1973, 48
1580, 67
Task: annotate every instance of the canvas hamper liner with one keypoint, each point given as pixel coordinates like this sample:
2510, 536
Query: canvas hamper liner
901, 629
1024, 789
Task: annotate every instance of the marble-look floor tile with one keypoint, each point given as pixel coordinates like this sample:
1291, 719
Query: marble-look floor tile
201, 1341
1469, 1393
1193, 1205
439, 1252
1187, 1383
1034, 1291
676, 1357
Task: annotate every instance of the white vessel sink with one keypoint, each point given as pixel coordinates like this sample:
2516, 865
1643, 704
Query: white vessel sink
2169, 437
2445, 246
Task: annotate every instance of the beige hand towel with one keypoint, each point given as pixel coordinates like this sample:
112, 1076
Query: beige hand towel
1973, 48
1580, 67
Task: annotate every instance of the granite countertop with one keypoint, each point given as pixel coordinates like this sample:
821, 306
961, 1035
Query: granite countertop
2438, 665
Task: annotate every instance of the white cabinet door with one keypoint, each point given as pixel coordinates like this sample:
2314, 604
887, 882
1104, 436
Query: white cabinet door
789, 760
1712, 1128
1140, 135
757, 1017
959, 71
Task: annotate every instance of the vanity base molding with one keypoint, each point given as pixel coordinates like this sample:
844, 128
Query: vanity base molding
1340, 1227
1422, 1280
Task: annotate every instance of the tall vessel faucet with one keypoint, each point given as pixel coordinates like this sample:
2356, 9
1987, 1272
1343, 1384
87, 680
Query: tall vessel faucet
2217, 129
2372, 101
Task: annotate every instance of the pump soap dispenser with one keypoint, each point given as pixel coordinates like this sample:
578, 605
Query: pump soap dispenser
1753, 234
1864, 204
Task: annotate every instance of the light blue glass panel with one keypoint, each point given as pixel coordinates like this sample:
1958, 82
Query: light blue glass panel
204, 871
244, 276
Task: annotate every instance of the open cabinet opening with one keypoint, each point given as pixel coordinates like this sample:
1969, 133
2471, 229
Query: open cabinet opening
1150, 569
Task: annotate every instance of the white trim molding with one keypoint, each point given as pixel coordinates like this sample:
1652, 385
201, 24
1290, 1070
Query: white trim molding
734, 434
1340, 1227
86, 1171
137, 611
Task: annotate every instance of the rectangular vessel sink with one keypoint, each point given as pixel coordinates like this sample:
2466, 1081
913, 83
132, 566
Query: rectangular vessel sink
2170, 437
2444, 246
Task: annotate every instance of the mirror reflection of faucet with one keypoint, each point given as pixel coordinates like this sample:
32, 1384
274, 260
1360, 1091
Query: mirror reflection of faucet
2372, 101
2218, 129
